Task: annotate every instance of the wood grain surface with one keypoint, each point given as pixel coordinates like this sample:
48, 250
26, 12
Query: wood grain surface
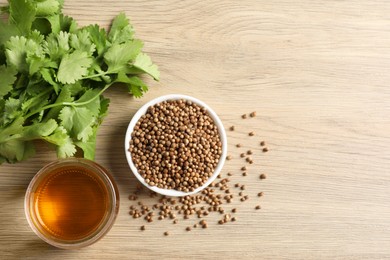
316, 73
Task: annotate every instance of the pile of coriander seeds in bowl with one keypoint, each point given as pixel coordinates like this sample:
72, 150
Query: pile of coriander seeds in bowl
176, 145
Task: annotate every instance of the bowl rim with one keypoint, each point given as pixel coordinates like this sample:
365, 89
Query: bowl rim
141, 111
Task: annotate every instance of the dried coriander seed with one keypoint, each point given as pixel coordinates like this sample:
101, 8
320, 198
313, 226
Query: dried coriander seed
142, 228
244, 116
260, 194
253, 114
258, 207
228, 157
166, 233
231, 128
265, 149
262, 143
263, 176
251, 133
165, 145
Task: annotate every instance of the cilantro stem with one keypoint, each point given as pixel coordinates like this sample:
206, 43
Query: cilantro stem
74, 104
95, 75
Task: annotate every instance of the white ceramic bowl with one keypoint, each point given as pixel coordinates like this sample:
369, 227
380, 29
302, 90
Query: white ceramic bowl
142, 111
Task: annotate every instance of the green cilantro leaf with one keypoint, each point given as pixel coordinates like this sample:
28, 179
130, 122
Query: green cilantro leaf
78, 121
144, 63
60, 22
22, 14
64, 96
64, 144
16, 53
73, 67
39, 130
56, 45
16, 150
47, 7
7, 76
98, 37
92, 100
6, 31
119, 55
81, 41
121, 31
89, 146
134, 84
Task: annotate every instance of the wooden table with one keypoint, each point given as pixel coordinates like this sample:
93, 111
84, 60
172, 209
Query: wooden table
316, 73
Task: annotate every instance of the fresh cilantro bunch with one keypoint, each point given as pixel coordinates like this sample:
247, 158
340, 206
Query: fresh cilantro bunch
53, 74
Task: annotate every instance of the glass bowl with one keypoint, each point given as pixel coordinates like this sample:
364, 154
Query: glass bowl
71, 203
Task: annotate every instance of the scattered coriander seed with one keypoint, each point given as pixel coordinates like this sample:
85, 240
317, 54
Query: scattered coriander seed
231, 128
143, 228
214, 197
243, 116
166, 233
253, 114
133, 197
265, 149
251, 133
263, 176
238, 145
